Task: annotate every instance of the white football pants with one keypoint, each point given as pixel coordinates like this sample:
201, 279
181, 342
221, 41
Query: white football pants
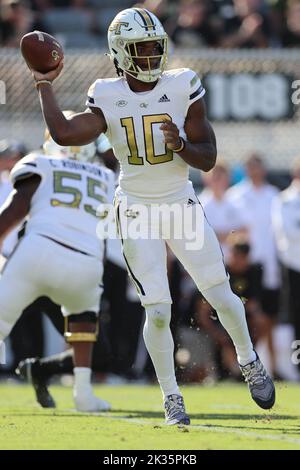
40, 267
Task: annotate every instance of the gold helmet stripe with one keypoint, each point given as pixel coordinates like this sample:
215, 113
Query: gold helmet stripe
147, 19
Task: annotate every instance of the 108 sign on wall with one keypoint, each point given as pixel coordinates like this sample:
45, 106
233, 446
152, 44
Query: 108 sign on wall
249, 96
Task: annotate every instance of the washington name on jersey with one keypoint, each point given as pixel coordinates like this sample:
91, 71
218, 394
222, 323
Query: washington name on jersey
149, 170
65, 205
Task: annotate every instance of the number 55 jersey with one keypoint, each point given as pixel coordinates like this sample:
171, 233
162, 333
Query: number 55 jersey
66, 207
149, 170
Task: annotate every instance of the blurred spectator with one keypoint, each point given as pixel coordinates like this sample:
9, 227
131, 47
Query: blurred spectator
286, 223
194, 25
249, 26
189, 23
291, 33
219, 210
197, 345
160, 8
238, 173
206, 336
69, 3
208, 349
17, 19
253, 198
40, 5
223, 351
246, 282
276, 14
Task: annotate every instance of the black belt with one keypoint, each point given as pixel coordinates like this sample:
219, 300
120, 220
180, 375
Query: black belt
66, 246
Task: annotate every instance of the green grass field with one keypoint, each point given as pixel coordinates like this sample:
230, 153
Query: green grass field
223, 417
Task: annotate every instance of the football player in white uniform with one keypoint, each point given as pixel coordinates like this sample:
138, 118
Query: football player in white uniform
60, 255
157, 125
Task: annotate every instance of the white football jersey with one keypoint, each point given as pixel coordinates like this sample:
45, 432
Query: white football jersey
64, 207
149, 170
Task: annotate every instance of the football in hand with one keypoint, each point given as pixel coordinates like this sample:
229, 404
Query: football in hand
41, 51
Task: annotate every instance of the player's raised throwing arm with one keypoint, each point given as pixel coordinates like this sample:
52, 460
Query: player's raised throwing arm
79, 129
200, 150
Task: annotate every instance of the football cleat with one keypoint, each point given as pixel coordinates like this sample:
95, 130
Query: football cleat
29, 371
260, 383
175, 410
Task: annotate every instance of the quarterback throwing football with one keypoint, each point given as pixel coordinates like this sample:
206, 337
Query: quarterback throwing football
157, 125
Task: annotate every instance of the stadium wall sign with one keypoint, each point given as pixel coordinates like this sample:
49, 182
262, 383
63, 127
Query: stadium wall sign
249, 96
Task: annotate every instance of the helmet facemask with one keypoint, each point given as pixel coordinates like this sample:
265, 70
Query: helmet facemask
155, 64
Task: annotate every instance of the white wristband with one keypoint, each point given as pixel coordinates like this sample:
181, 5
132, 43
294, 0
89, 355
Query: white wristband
39, 82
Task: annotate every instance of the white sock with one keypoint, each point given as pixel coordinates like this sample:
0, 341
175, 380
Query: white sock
82, 376
232, 315
160, 345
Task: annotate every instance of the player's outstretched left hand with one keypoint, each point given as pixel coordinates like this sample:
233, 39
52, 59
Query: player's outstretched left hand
171, 134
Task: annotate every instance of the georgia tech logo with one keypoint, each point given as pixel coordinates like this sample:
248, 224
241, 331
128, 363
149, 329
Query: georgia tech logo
116, 26
55, 54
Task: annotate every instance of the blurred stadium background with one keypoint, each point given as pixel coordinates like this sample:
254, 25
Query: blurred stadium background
247, 53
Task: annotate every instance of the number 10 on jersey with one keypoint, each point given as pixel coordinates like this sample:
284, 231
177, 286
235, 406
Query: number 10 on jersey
134, 158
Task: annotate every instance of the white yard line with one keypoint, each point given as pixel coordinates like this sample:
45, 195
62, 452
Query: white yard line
216, 429
206, 427
270, 437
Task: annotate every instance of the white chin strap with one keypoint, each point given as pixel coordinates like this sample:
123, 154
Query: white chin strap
144, 76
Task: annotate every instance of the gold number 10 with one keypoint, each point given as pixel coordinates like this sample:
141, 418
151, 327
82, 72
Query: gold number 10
148, 121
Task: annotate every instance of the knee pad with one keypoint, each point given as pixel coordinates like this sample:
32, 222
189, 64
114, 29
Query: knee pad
158, 315
81, 336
